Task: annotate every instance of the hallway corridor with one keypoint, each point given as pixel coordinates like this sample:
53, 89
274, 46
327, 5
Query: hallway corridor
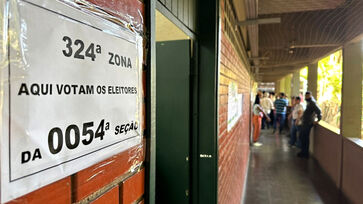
276, 175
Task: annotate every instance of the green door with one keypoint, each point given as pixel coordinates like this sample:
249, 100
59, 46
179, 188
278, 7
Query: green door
172, 121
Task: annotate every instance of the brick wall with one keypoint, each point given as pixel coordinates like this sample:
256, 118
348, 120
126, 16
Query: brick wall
233, 145
119, 179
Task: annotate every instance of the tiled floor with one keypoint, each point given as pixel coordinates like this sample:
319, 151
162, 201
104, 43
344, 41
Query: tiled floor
276, 175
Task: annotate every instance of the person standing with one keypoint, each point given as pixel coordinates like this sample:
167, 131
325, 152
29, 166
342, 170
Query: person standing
308, 121
289, 112
280, 107
258, 113
267, 105
272, 113
296, 120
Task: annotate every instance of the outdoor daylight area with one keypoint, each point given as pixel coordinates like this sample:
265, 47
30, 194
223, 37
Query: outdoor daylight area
329, 87
303, 80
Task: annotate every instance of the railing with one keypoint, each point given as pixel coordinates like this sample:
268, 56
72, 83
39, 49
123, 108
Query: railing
327, 150
341, 158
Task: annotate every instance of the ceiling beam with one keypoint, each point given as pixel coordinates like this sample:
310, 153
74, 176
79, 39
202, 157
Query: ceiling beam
259, 58
314, 46
278, 69
251, 7
274, 73
291, 64
270, 79
258, 21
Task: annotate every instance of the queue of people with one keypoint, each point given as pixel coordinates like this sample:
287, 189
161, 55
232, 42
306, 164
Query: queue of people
267, 113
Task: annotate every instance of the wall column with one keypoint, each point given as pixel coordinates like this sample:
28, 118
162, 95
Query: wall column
282, 85
295, 84
277, 86
288, 86
313, 79
205, 170
351, 109
313, 88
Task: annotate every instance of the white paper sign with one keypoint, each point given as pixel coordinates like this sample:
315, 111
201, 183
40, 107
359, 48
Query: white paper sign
235, 102
240, 104
72, 94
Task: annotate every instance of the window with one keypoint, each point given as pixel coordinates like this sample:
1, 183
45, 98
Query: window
329, 87
303, 80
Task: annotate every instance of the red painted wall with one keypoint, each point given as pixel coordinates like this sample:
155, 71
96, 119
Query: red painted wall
116, 179
233, 145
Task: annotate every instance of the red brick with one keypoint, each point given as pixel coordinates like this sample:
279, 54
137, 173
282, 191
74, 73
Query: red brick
222, 118
119, 8
233, 146
97, 176
224, 68
223, 99
223, 127
57, 192
224, 39
133, 188
223, 89
110, 197
223, 80
223, 109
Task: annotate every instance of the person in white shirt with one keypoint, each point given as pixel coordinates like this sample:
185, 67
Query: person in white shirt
296, 121
267, 105
258, 113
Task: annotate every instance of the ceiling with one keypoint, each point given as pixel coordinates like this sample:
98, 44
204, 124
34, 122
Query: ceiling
283, 6
309, 30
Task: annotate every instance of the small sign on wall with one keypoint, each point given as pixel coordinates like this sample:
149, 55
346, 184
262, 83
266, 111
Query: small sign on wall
235, 102
71, 94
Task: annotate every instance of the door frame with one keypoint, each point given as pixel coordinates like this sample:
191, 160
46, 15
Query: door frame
204, 105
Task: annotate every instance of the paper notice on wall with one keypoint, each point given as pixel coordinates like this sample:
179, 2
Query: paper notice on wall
234, 105
72, 94
240, 104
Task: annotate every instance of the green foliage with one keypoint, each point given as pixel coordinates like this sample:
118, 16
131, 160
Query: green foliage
304, 79
330, 86
304, 73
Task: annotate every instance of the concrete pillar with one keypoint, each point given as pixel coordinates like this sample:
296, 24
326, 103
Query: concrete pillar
295, 91
282, 85
313, 79
351, 109
288, 85
277, 86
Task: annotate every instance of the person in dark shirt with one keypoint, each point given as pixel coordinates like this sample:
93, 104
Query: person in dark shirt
272, 113
308, 121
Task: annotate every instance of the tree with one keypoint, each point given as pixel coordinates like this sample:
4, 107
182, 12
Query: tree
330, 86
